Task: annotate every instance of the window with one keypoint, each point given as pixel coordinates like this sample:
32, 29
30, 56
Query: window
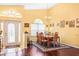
10, 13
37, 26
11, 33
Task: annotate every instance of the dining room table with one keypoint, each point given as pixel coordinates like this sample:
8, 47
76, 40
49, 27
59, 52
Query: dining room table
49, 39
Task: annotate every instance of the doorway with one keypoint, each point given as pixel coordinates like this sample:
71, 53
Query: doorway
11, 32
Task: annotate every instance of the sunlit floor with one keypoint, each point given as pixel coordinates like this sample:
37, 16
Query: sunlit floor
13, 52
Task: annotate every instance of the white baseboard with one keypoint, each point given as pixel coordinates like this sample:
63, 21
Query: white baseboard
71, 45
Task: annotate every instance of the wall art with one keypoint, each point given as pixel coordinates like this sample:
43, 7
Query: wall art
62, 23
77, 22
72, 23
26, 24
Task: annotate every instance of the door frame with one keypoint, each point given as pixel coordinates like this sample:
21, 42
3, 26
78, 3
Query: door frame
4, 30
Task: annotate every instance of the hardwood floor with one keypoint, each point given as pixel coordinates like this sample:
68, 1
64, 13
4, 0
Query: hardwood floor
34, 51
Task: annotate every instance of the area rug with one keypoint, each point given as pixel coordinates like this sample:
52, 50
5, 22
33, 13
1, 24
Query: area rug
45, 49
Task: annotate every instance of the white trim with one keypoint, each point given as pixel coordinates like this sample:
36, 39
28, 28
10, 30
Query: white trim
50, 49
31, 6
35, 6
71, 45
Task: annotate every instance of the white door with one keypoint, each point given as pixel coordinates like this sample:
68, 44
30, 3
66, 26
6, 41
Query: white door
12, 32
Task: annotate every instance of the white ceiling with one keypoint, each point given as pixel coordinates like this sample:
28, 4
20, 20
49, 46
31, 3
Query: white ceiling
31, 6
38, 6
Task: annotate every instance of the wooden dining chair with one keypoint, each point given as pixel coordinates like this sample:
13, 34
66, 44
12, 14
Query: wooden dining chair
37, 37
56, 39
43, 40
48, 40
41, 37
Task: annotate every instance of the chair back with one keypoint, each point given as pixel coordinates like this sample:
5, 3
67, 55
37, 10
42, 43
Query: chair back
42, 36
56, 36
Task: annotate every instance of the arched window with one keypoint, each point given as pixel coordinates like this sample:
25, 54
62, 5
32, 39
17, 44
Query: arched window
10, 13
37, 26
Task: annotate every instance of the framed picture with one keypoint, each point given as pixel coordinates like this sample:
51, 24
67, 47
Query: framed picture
26, 24
72, 23
62, 23
57, 24
46, 25
77, 22
77, 26
50, 25
67, 22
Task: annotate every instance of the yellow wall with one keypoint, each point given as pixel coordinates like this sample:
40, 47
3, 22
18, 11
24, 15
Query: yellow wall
58, 12
29, 16
66, 12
